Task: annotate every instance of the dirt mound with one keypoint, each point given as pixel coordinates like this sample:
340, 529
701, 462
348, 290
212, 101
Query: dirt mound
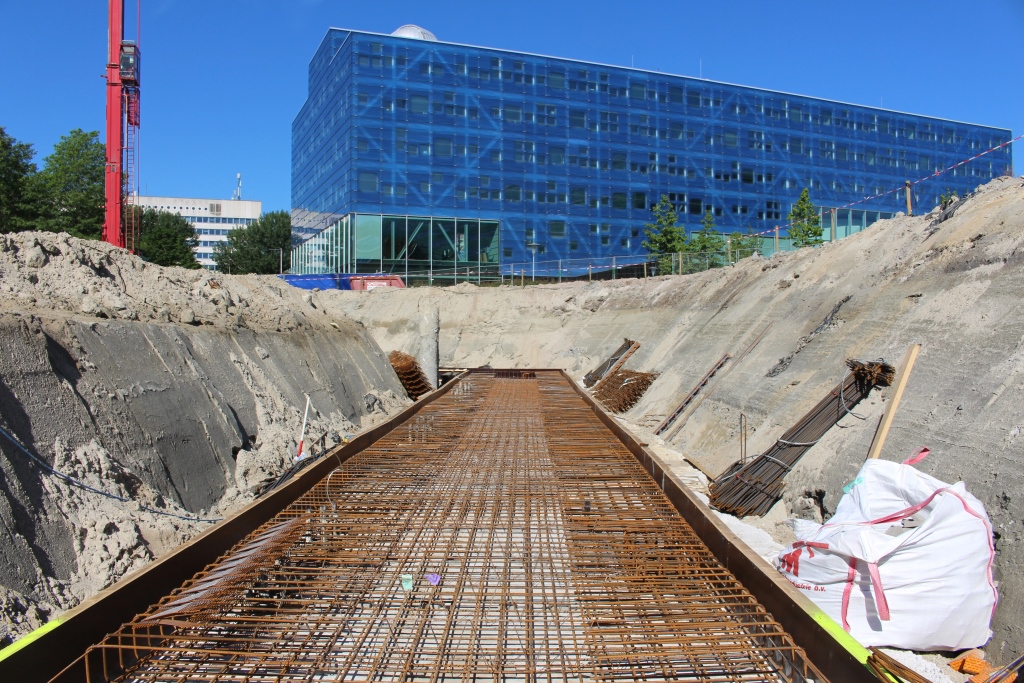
180, 391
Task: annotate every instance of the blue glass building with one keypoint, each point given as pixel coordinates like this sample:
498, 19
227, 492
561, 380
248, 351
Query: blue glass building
413, 155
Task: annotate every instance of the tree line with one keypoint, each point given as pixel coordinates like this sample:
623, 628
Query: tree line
67, 195
708, 248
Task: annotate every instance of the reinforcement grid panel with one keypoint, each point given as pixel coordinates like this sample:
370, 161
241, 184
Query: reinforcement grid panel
503, 533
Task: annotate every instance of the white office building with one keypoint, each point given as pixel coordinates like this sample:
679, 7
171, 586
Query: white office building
212, 219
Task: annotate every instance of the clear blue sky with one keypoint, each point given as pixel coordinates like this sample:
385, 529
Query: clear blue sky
222, 79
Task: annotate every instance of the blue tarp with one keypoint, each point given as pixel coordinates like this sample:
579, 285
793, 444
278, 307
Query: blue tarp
324, 281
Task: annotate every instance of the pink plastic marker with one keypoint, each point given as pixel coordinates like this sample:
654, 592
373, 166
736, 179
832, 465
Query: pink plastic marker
302, 433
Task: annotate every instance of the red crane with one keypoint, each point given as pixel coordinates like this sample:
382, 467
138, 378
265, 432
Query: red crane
121, 183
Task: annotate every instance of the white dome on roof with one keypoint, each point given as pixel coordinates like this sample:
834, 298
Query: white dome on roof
413, 31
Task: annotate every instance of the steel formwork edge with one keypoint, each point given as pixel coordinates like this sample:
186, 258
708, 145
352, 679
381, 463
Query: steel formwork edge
56, 650
836, 654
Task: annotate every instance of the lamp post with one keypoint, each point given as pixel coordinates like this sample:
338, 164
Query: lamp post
280, 254
532, 246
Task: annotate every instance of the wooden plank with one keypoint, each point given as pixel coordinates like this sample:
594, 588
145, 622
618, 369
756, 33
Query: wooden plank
902, 377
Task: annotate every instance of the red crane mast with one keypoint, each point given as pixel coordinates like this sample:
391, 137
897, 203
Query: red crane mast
120, 226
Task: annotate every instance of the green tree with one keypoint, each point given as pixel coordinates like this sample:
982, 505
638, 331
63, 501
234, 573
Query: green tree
804, 222
744, 244
70, 186
167, 239
17, 210
708, 243
664, 236
263, 247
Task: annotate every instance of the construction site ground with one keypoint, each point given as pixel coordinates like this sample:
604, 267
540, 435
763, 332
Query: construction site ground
183, 390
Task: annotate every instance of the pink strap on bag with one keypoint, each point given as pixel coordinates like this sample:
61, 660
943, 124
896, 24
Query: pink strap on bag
881, 604
918, 457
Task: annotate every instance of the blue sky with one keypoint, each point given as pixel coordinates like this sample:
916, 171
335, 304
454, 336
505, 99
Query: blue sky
222, 79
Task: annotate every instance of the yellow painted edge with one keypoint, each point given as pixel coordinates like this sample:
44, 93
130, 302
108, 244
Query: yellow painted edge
29, 638
848, 642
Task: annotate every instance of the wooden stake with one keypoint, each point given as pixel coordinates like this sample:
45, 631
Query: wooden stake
890, 410
910, 205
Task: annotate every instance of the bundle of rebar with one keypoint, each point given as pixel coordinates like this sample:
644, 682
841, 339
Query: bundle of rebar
410, 374
613, 363
620, 391
754, 486
515, 374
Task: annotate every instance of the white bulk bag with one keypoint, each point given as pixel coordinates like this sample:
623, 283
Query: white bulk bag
905, 562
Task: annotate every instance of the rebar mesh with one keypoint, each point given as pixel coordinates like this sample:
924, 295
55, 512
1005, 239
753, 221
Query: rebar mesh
620, 391
410, 374
503, 533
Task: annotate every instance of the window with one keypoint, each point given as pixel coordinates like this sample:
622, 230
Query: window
513, 193
638, 91
639, 200
577, 118
730, 140
618, 161
578, 195
556, 80
507, 252
368, 182
418, 104
693, 99
557, 155
513, 114
363, 145
605, 240
618, 200
442, 147
557, 229
675, 131
696, 206
573, 246
675, 95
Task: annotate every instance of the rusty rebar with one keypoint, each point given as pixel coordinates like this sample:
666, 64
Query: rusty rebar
410, 374
503, 533
621, 390
752, 487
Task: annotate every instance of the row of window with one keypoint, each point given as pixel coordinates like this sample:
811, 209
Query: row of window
603, 121
211, 231
526, 152
665, 93
219, 219
694, 98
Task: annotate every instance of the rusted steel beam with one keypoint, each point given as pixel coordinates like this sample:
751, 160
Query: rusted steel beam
667, 422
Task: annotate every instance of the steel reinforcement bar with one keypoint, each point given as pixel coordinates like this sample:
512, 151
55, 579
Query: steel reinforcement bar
506, 531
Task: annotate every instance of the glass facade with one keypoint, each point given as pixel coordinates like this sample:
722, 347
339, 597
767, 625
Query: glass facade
427, 156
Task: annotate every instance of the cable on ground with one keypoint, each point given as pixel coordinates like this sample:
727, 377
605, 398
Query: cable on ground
82, 485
